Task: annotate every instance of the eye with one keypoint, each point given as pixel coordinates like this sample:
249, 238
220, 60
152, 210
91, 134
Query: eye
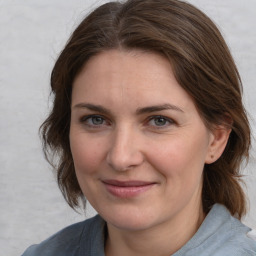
160, 121
94, 121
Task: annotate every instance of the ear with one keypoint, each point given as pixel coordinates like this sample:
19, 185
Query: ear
218, 140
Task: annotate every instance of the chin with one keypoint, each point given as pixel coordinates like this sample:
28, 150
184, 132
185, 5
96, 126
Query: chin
132, 221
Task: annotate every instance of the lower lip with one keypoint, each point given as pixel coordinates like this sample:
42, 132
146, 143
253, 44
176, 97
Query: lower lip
126, 192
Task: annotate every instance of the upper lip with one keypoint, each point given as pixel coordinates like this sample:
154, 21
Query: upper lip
128, 183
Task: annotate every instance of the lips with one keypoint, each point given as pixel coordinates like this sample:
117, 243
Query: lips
126, 189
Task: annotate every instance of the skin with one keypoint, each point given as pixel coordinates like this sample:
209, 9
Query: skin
118, 133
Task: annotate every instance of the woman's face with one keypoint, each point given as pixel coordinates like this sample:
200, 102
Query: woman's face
138, 143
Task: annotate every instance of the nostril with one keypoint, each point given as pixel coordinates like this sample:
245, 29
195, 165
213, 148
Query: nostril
123, 153
123, 161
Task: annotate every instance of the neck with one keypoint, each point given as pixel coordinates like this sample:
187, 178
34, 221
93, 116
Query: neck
163, 239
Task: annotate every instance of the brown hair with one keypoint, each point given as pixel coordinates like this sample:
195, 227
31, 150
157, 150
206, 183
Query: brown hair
202, 65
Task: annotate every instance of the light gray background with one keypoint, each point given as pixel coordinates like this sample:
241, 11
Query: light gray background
32, 33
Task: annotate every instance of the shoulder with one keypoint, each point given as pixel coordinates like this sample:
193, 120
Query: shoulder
237, 241
252, 235
237, 238
219, 235
68, 240
231, 236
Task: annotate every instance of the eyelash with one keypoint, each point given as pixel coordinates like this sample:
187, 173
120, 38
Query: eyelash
166, 119
105, 122
85, 120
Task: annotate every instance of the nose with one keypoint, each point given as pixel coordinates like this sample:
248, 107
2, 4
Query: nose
125, 150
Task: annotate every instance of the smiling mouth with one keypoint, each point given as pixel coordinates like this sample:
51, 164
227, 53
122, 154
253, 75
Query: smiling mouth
126, 189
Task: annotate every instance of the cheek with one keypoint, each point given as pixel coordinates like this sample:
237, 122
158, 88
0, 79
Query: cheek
87, 156
182, 158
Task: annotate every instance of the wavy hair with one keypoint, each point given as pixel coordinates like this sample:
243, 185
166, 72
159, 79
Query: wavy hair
202, 65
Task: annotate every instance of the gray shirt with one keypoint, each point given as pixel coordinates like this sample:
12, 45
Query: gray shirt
219, 235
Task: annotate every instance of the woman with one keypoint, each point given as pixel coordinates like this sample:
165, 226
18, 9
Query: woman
148, 125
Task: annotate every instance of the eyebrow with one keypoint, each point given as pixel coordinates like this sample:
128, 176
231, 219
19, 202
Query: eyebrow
139, 111
156, 108
93, 107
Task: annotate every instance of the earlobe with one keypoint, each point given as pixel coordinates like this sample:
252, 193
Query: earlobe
218, 141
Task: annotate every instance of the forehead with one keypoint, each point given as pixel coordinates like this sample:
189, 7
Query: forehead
129, 77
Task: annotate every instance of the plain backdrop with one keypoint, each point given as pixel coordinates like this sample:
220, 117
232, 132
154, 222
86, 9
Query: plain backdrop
32, 33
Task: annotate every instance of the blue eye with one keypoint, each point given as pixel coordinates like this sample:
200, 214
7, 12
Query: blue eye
160, 121
96, 120
93, 120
